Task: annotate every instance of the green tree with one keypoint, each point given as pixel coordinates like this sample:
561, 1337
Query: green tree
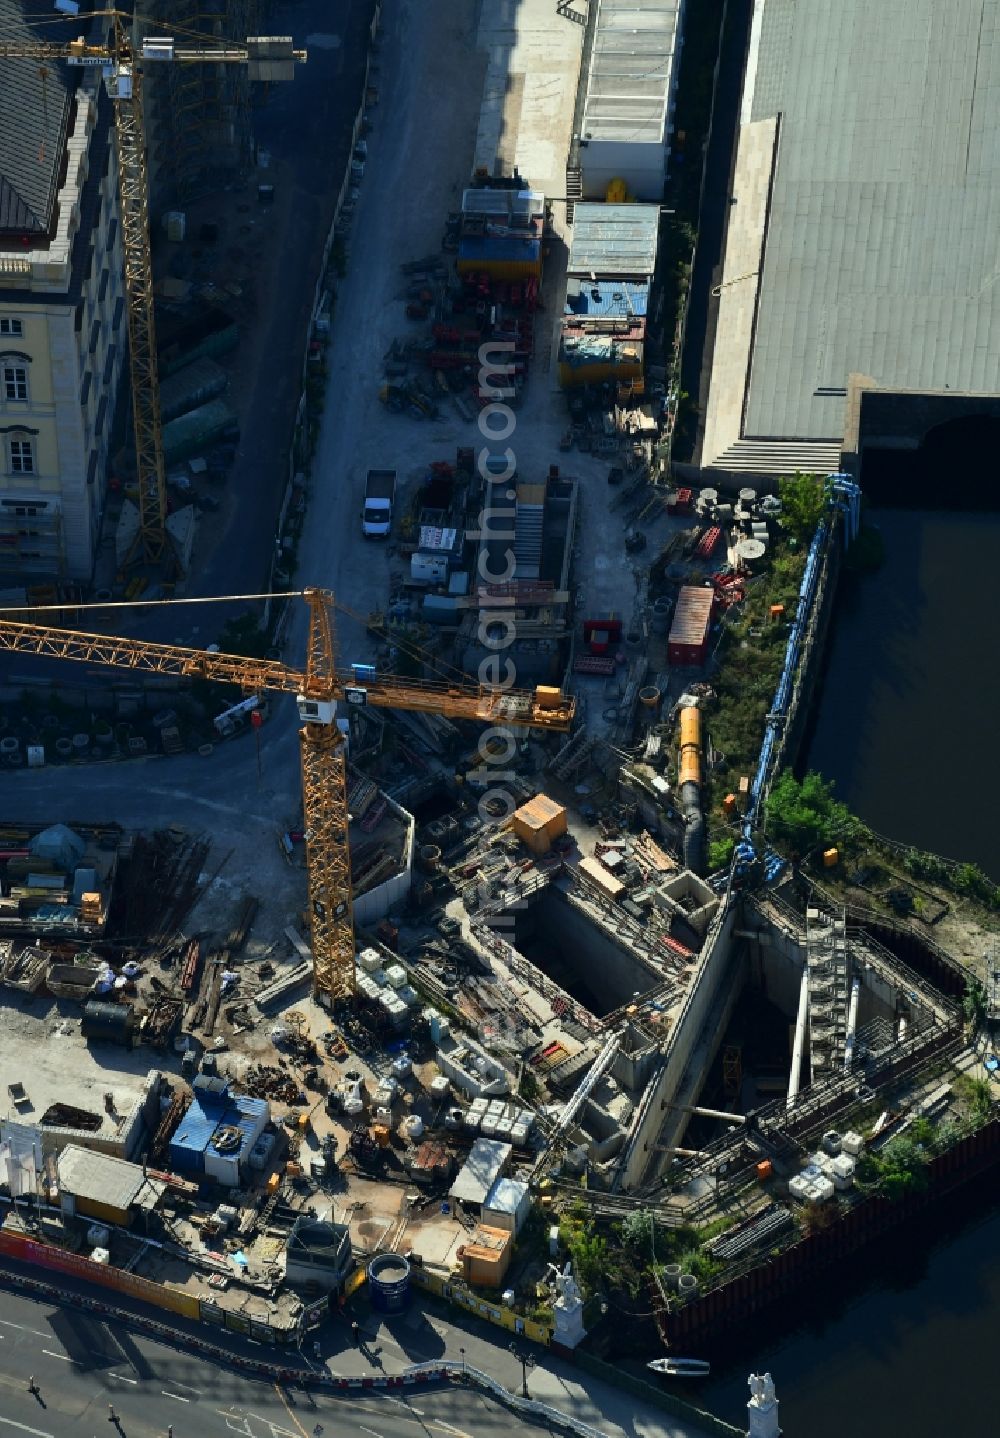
591, 1259
720, 851
803, 504
639, 1233
805, 814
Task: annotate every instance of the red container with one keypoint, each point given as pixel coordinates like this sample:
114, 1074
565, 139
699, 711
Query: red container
687, 643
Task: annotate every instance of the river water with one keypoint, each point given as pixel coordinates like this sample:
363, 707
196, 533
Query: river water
907, 717
899, 1344
901, 1341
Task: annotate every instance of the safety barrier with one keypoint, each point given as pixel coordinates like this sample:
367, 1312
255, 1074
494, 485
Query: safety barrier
497, 1313
417, 1375
46, 1255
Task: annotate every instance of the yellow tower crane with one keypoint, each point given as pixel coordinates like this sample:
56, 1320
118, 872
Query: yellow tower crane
122, 63
317, 690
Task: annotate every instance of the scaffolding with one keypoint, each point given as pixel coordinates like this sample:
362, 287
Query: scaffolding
199, 118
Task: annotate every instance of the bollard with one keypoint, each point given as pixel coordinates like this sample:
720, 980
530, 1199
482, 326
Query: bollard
112, 1415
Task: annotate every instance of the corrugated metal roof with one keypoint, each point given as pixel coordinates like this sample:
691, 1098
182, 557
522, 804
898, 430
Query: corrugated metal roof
614, 240
881, 241
194, 1134
499, 247
100, 1178
34, 116
616, 299
692, 615
507, 1195
631, 71
195, 1130
482, 1168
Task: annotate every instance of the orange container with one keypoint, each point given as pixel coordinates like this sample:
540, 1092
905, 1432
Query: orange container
729, 805
764, 1170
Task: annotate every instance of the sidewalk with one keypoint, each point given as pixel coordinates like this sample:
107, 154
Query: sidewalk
431, 1330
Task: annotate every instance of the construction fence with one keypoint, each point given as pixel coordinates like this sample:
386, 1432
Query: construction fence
497, 1313
146, 1290
58, 1260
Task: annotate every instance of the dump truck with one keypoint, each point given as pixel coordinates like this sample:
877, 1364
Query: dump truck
380, 491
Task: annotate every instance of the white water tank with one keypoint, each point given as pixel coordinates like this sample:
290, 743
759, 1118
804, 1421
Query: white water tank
842, 1171
852, 1143
370, 960
401, 1068
413, 1126
395, 976
440, 1086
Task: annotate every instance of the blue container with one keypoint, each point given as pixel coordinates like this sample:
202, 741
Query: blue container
389, 1282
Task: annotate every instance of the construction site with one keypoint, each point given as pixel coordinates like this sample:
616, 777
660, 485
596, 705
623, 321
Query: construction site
513, 965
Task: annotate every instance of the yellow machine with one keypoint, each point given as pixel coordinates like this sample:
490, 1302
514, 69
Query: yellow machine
267, 59
317, 690
690, 746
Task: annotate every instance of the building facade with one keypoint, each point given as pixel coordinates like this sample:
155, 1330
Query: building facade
63, 330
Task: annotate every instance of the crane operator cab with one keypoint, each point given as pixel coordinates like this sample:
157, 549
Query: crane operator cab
316, 711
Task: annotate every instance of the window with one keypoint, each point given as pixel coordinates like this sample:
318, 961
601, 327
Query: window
102, 287
109, 364
102, 410
15, 381
22, 459
85, 387
95, 334
119, 307
11, 327
112, 231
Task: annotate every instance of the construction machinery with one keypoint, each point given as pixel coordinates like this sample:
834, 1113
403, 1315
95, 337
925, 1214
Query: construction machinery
121, 63
317, 691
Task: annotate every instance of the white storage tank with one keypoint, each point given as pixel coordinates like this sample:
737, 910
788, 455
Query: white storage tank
842, 1171
401, 1068
852, 1143
408, 996
441, 1086
831, 1141
823, 1190
395, 976
413, 1127
370, 960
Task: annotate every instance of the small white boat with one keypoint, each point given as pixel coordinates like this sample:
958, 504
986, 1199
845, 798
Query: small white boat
680, 1367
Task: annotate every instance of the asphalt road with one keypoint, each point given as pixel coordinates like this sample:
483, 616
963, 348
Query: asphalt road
81, 1365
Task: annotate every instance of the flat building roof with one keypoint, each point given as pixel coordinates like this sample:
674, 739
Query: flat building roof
631, 69
99, 1178
614, 240
880, 245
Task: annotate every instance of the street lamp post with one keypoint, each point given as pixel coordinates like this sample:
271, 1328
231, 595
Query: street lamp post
526, 1361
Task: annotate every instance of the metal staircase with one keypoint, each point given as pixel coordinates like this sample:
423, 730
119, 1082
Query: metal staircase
826, 957
565, 9
528, 525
